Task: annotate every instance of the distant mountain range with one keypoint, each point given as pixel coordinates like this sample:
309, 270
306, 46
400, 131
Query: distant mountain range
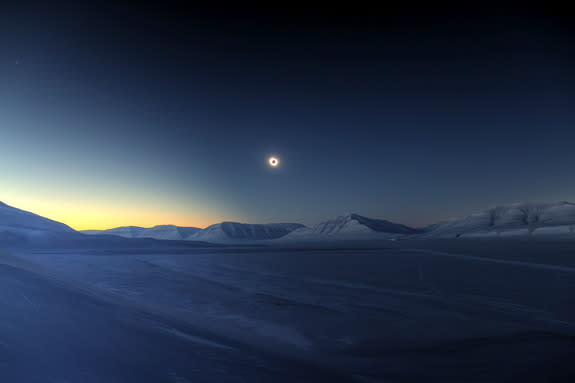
352, 226
226, 232
21, 228
520, 219
509, 220
166, 232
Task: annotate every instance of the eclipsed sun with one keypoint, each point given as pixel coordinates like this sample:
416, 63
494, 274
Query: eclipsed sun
274, 162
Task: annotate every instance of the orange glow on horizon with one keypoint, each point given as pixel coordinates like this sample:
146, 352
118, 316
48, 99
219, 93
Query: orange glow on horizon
82, 216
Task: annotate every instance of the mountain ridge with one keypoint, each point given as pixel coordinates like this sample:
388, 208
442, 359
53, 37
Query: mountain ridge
162, 232
516, 219
235, 231
13, 219
352, 226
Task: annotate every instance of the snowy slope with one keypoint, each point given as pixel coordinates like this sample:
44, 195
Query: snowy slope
352, 226
165, 232
243, 232
510, 220
17, 225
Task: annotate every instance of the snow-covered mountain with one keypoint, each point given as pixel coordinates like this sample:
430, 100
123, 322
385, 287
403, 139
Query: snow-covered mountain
18, 225
351, 226
510, 220
123, 231
520, 219
230, 232
19, 228
165, 232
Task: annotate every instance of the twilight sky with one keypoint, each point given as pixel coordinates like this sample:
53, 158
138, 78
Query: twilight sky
117, 115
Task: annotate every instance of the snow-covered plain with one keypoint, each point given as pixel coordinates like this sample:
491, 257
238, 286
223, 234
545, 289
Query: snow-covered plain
400, 311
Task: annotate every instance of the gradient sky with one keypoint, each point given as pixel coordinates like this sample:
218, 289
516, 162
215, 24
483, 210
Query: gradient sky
117, 115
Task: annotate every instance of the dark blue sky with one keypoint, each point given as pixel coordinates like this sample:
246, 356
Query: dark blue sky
165, 113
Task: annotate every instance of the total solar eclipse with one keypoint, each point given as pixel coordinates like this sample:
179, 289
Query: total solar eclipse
274, 162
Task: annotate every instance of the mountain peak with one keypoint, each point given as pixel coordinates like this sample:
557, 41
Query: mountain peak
382, 225
352, 226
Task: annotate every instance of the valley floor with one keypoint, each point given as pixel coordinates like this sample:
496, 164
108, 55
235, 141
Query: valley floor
411, 311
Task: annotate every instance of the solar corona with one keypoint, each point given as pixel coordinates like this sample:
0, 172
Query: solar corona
274, 162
